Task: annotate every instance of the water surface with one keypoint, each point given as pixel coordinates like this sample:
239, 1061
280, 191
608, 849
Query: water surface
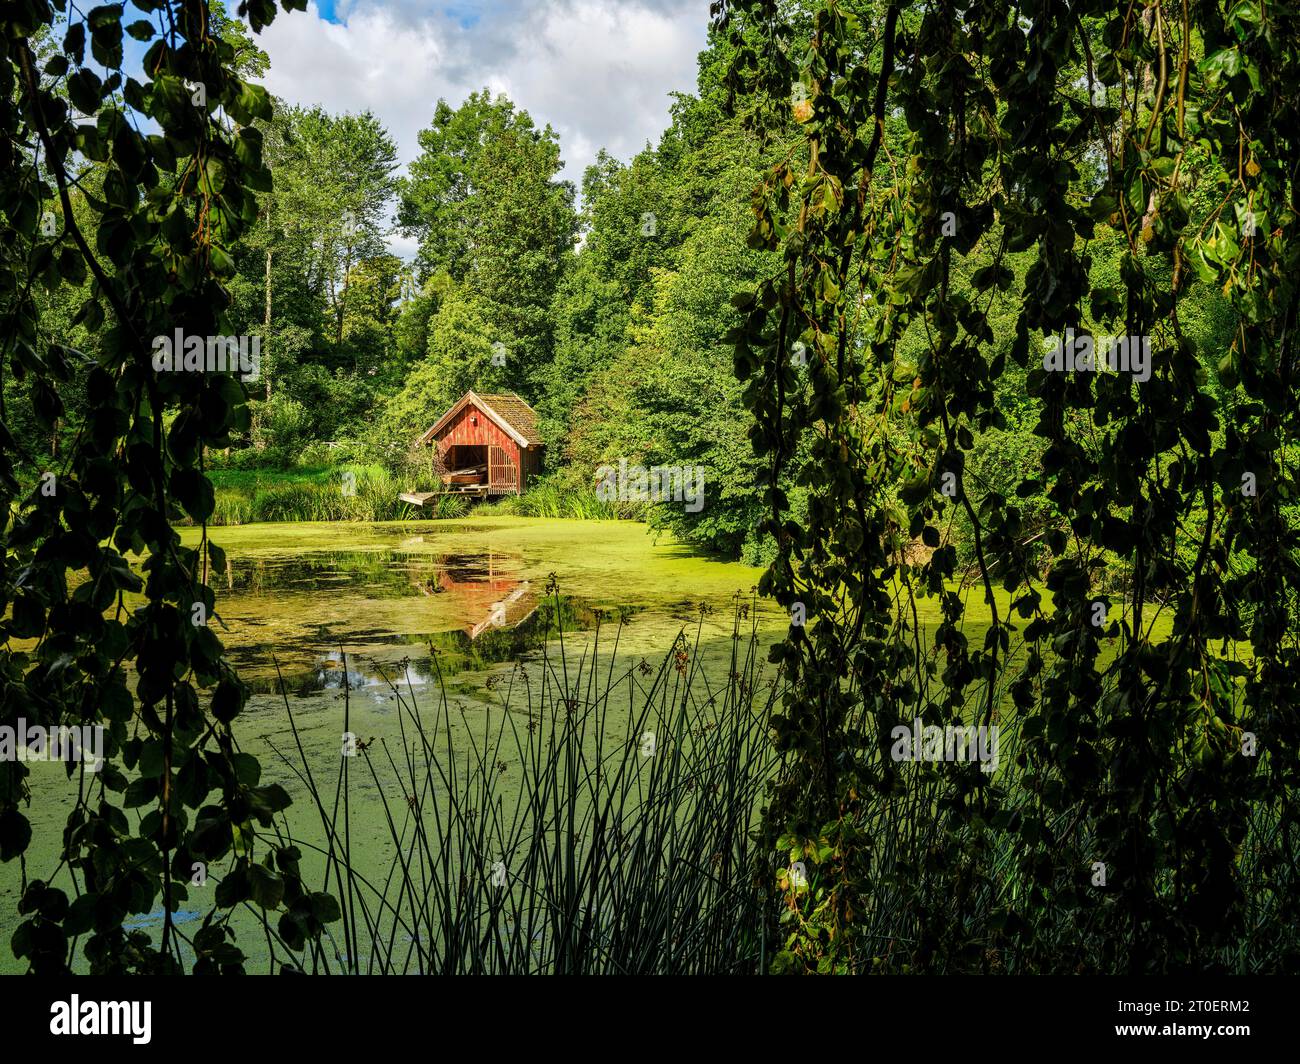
322, 619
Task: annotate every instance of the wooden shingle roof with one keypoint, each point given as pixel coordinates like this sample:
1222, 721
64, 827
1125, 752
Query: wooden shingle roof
511, 413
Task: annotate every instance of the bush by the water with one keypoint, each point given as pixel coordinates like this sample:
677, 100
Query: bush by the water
370, 493
343, 493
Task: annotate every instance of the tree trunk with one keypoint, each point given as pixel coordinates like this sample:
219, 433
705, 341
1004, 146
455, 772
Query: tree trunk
266, 324
343, 299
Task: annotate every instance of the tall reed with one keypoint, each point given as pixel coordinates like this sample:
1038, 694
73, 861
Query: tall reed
626, 847
363, 493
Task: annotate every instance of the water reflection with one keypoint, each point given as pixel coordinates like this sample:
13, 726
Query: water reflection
384, 571
440, 654
482, 590
395, 613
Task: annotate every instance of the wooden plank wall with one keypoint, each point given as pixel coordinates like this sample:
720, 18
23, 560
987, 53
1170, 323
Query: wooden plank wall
504, 472
510, 474
461, 433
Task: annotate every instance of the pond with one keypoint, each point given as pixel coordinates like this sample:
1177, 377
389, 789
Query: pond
301, 596
451, 651
348, 634
323, 620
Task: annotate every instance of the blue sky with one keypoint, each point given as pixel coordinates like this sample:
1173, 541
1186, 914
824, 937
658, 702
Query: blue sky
599, 71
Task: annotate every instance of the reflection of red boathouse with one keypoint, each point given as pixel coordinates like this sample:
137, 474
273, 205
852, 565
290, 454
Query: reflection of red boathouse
489, 600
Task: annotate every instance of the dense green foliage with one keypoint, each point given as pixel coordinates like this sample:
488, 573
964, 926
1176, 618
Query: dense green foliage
1114, 169
610, 319
608, 313
828, 285
138, 249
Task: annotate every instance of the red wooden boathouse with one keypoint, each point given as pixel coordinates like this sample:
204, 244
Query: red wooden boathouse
484, 445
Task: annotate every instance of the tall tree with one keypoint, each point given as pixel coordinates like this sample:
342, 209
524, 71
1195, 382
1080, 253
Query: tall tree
485, 202
333, 186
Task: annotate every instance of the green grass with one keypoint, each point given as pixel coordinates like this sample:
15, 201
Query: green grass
553, 499
370, 493
340, 493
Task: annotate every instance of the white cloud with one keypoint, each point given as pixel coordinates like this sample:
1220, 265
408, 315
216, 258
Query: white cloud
598, 71
404, 247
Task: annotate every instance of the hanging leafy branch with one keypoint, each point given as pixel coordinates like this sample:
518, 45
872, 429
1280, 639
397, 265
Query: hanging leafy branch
1147, 819
86, 641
